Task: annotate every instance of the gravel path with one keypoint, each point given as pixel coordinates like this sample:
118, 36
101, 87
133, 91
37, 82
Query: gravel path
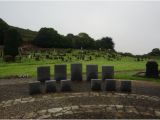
15, 102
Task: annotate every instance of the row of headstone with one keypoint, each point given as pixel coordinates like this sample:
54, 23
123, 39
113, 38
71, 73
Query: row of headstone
36, 87
60, 72
110, 85
96, 85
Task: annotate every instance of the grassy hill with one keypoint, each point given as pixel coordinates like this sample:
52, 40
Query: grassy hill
27, 35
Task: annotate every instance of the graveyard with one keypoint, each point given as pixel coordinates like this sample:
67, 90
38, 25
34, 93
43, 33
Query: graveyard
48, 74
80, 84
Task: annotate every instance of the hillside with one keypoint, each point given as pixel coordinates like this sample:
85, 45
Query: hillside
27, 35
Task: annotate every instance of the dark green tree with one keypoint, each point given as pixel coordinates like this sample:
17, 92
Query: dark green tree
3, 27
12, 40
105, 43
155, 52
47, 38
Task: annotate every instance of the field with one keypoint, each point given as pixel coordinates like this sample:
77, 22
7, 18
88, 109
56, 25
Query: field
125, 67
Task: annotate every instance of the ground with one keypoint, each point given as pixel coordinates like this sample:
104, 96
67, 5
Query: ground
142, 102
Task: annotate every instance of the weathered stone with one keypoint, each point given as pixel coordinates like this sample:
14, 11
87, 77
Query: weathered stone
120, 108
29, 115
157, 113
50, 86
131, 109
107, 72
43, 73
60, 72
66, 85
42, 112
110, 85
34, 87
126, 86
76, 72
96, 84
45, 116
92, 72
54, 110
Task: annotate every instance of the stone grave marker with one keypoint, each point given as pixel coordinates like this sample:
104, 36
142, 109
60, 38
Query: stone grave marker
76, 72
92, 72
107, 72
43, 73
60, 72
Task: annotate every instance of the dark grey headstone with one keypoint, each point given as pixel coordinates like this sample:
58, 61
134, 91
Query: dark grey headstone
34, 87
126, 86
76, 72
51, 86
107, 72
60, 72
43, 73
152, 69
92, 72
66, 85
96, 84
110, 85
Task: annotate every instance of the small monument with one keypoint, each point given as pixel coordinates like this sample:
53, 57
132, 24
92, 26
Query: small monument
152, 69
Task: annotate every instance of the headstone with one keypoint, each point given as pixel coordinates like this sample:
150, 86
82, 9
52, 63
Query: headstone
34, 87
126, 86
66, 85
51, 86
152, 69
110, 85
92, 72
76, 72
107, 72
43, 73
60, 72
96, 84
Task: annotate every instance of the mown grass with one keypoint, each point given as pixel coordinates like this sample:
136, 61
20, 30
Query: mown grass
126, 67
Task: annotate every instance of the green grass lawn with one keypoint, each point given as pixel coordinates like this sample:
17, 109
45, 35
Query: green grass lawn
128, 66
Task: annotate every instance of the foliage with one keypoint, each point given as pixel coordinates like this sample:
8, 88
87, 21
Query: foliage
3, 27
12, 40
47, 38
155, 52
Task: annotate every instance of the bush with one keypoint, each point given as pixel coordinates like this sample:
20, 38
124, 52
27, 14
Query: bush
152, 69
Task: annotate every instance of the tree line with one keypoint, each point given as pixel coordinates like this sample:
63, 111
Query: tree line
50, 38
11, 39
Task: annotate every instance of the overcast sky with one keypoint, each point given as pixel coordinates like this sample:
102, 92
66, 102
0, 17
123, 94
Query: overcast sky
133, 26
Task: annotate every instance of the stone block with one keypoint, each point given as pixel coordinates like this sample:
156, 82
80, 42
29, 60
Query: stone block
76, 72
107, 72
92, 72
60, 72
50, 86
43, 73
66, 85
96, 84
34, 87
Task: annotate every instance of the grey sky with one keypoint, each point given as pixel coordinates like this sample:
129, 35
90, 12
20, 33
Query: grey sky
134, 26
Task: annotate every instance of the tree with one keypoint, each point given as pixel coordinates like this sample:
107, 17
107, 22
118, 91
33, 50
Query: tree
87, 41
155, 52
105, 43
3, 27
47, 38
12, 40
